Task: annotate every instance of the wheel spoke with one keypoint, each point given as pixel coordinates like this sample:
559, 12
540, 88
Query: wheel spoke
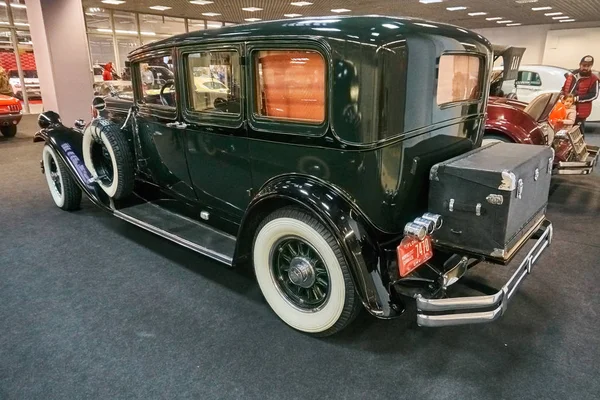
322, 282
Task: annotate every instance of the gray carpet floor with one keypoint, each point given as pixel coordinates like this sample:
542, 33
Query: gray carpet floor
94, 308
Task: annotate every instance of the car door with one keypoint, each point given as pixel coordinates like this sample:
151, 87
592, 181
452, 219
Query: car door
161, 132
528, 84
217, 144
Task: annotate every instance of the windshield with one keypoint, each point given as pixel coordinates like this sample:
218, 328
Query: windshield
27, 73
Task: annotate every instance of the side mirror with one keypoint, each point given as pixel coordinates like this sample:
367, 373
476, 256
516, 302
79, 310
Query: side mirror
99, 104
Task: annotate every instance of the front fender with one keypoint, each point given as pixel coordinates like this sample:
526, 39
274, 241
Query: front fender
66, 143
354, 233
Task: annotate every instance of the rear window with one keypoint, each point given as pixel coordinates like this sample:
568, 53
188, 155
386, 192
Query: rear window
290, 85
459, 78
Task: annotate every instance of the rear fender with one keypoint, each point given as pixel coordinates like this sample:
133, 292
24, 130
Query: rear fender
334, 208
66, 143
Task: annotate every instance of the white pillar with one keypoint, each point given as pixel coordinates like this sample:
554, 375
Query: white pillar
61, 56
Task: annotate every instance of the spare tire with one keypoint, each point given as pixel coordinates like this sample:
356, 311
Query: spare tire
108, 157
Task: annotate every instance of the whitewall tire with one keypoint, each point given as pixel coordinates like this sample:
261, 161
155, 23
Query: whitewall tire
303, 273
63, 188
108, 158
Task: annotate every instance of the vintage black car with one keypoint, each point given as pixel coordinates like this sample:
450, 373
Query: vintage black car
309, 155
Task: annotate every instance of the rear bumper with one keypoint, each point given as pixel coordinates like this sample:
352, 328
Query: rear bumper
579, 167
481, 309
10, 119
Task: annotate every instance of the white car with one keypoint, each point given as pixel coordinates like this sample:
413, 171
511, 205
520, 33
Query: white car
534, 80
210, 90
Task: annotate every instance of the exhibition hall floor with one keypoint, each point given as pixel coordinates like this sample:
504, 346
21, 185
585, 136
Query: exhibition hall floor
92, 307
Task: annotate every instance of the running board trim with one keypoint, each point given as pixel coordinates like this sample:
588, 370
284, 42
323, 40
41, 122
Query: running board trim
174, 238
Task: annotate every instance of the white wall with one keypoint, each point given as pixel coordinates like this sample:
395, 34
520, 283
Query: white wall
532, 37
565, 47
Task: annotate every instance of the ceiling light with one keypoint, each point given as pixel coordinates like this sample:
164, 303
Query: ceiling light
340, 10
115, 2
210, 14
160, 8
563, 17
515, 24
252, 9
456, 8
567, 20
552, 13
390, 26
541, 8
506, 21
292, 15
208, 25
252, 19
430, 1
477, 13
494, 18
301, 3
526, 1
201, 2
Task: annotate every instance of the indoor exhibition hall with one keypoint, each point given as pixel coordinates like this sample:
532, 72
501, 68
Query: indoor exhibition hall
283, 199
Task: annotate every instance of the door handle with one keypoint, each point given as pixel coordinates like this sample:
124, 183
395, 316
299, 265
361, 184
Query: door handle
177, 125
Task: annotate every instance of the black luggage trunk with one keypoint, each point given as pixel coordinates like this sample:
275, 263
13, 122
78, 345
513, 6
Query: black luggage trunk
491, 198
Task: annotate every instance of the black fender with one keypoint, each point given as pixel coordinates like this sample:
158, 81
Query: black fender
67, 144
334, 208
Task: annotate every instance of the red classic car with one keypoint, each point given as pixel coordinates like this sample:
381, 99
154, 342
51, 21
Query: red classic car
10, 115
510, 120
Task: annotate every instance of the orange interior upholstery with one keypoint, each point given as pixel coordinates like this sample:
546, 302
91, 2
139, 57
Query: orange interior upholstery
292, 85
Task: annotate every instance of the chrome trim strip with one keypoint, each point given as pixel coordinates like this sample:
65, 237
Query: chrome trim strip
499, 300
174, 238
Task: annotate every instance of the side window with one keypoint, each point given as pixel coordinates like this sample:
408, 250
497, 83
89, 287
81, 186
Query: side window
158, 81
459, 78
214, 83
290, 85
529, 78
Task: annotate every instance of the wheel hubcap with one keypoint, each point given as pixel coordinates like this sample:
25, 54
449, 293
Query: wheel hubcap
300, 274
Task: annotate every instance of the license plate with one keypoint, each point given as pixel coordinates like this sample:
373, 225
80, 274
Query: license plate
412, 253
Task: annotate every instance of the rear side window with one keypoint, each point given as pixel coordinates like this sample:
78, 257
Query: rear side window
459, 78
529, 78
290, 85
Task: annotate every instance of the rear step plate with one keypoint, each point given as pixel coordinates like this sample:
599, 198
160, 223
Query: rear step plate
182, 230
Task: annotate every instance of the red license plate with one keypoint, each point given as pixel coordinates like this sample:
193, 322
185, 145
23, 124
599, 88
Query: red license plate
412, 253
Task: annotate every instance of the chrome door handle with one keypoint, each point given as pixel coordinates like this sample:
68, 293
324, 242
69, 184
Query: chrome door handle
177, 125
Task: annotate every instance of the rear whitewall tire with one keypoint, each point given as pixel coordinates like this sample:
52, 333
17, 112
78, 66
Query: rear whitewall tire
341, 304
68, 196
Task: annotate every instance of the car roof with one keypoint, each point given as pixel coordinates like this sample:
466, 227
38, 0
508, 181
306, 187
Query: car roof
359, 28
539, 67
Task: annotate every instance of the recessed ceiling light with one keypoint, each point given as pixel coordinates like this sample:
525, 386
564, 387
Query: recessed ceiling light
494, 18
430, 1
477, 13
201, 2
567, 20
563, 17
541, 8
301, 3
552, 13
115, 2
506, 21
340, 10
526, 1
456, 8
210, 14
515, 24
252, 9
252, 19
292, 15
159, 8
95, 9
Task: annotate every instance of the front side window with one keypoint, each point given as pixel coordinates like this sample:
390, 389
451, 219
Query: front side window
214, 81
158, 81
459, 78
290, 85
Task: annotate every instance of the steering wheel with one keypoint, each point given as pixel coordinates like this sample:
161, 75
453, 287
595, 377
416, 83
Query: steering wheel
163, 99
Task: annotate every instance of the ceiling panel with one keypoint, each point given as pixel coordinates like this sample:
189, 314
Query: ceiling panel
516, 11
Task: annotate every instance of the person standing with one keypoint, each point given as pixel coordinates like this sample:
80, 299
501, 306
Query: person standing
107, 75
584, 85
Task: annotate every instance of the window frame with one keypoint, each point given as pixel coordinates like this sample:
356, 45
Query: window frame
281, 126
482, 67
210, 117
159, 110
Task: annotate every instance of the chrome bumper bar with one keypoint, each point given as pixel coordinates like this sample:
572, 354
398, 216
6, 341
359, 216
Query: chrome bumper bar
481, 309
579, 167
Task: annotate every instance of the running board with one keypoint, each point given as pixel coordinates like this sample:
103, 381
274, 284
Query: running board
182, 230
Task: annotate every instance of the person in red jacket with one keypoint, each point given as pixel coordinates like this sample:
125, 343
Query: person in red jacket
107, 75
584, 85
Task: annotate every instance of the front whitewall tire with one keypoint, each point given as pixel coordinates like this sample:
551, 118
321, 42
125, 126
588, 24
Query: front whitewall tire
63, 188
